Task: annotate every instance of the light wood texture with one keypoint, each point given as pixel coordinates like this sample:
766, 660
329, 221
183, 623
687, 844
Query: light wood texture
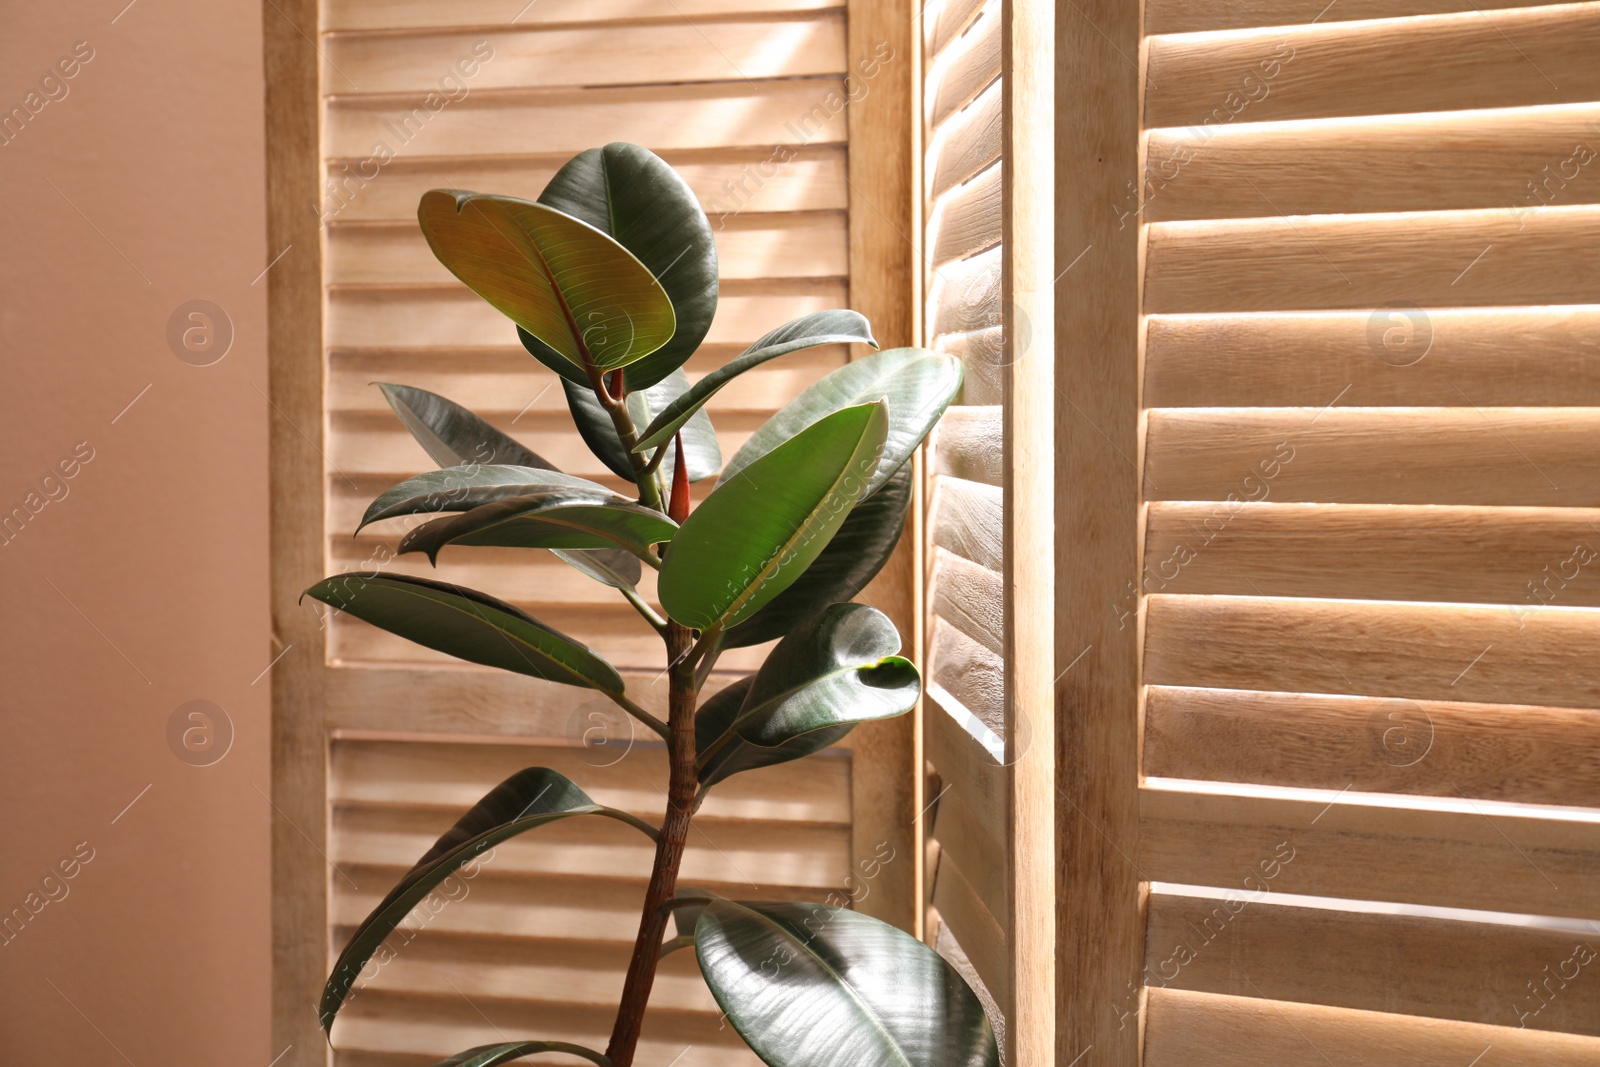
1411, 965
944, 20
1466, 455
1416, 651
1491, 357
965, 766
965, 296
968, 671
1181, 16
963, 839
1446, 62
410, 14
966, 220
1531, 755
1095, 667
966, 144
966, 68
968, 597
979, 933
1187, 1029
964, 517
982, 357
969, 443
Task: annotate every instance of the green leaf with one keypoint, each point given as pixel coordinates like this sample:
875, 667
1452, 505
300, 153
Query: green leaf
546, 520
473, 485
613, 567
758, 532
529, 798
490, 1055
564, 282
631, 194
917, 383
468, 625
700, 446
808, 985
852, 559
452, 435
840, 326
830, 673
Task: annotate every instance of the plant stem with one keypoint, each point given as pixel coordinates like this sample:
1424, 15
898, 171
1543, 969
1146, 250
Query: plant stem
669, 850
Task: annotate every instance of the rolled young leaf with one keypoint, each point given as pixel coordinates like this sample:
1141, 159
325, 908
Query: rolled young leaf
631, 194
492, 1055
852, 559
719, 761
600, 433
564, 282
840, 326
546, 520
473, 485
917, 384
527, 799
756, 533
468, 625
808, 985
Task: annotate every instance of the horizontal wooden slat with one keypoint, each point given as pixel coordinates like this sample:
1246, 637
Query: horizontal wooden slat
1390, 356
1183, 16
971, 673
967, 220
968, 444
966, 767
981, 936
1465, 259
1450, 749
727, 180
1418, 651
964, 517
1522, 557
1467, 59
965, 296
945, 20
964, 841
972, 62
404, 14
966, 144
1517, 159
455, 63
1467, 455
1186, 1029
710, 115
968, 597
1360, 847
946, 945
981, 353
1474, 972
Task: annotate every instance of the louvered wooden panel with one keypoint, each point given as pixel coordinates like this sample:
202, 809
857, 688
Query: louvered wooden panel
1332, 745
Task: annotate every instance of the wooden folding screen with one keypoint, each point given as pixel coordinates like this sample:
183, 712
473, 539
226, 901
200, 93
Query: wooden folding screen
1327, 631
787, 118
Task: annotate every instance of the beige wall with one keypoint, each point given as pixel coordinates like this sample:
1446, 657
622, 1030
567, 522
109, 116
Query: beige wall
143, 586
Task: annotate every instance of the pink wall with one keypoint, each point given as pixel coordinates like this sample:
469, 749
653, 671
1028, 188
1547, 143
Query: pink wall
143, 584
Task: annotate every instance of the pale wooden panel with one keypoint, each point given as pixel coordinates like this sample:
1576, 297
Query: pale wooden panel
945, 20
968, 443
1395, 963
1492, 751
967, 220
983, 939
1523, 557
454, 315
1346, 845
969, 672
946, 945
982, 858
710, 115
1494, 456
1515, 159
1418, 651
965, 296
410, 14
808, 245
726, 180
965, 518
982, 359
971, 63
1481, 258
1436, 63
969, 597
1392, 356
1187, 1029
1183, 16
538, 57
966, 144
966, 767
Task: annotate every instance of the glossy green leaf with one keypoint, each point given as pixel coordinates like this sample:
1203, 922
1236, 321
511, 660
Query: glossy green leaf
613, 567
808, 985
840, 326
546, 520
600, 433
468, 625
561, 280
631, 194
758, 532
473, 485
917, 384
734, 755
852, 559
491, 1055
527, 799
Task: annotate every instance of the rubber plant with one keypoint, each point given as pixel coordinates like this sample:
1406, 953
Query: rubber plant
611, 280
